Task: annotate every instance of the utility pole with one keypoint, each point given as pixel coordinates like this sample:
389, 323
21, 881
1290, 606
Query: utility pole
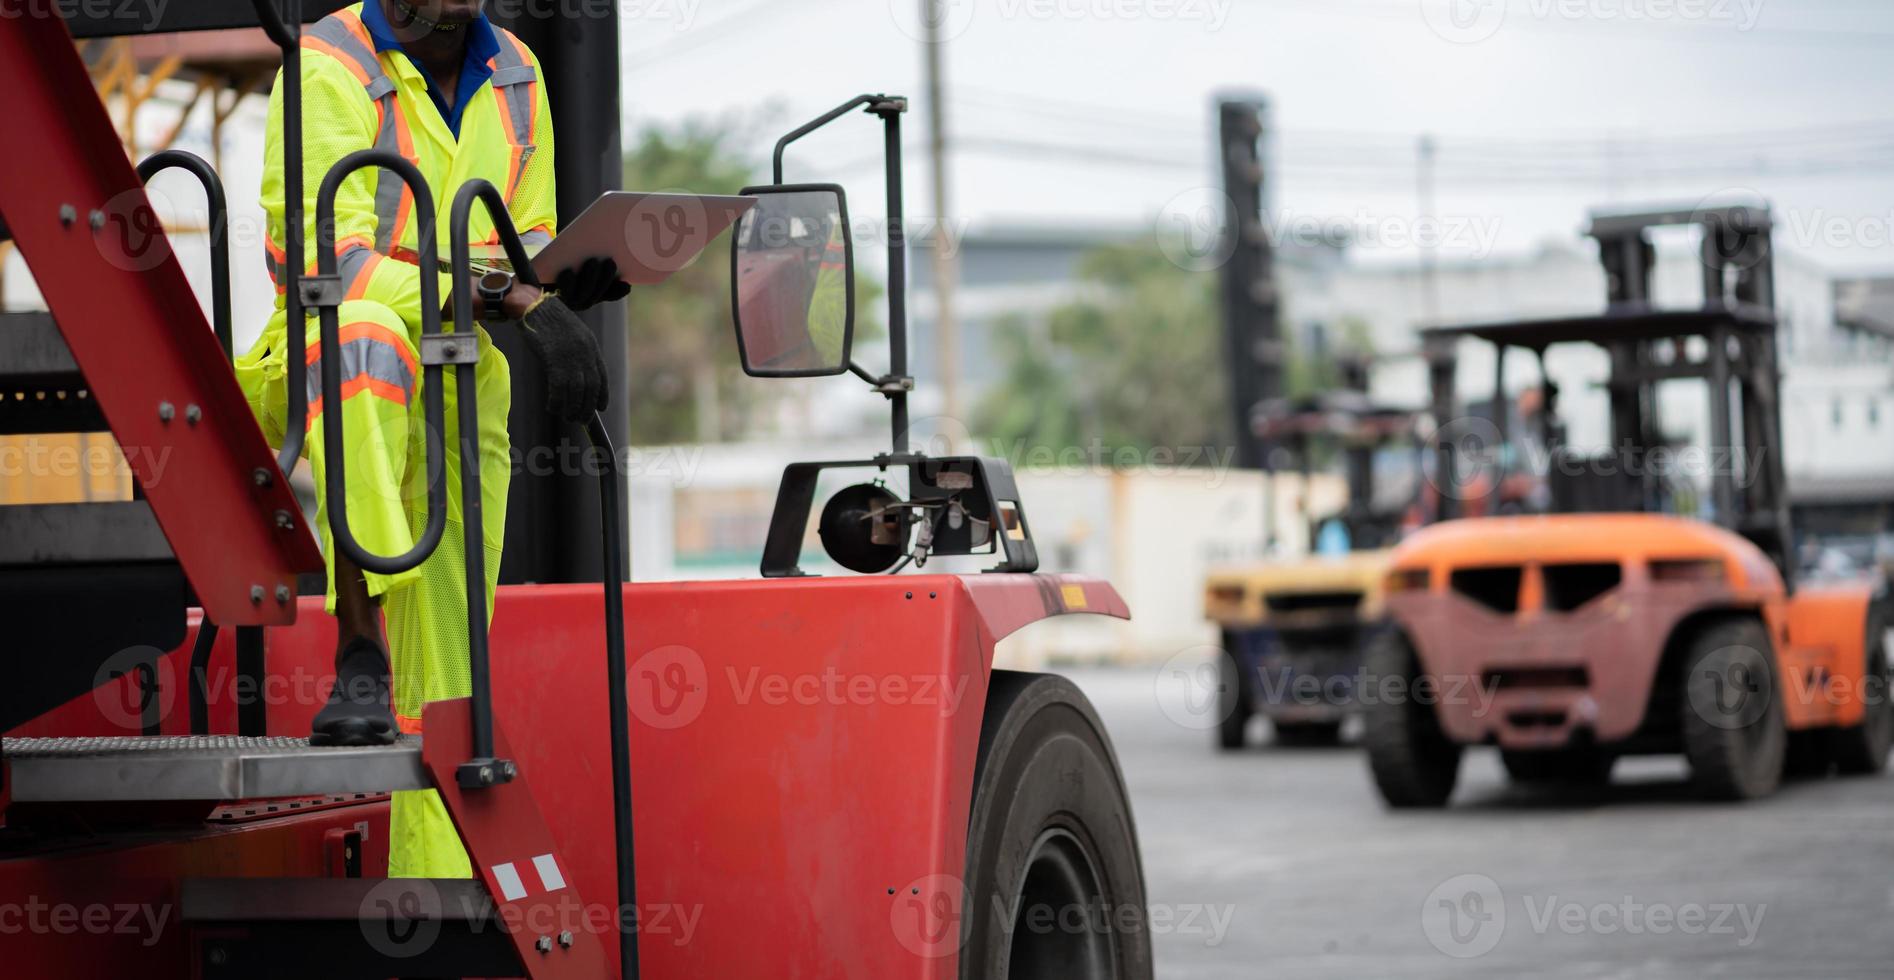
1430, 255
946, 331
1252, 334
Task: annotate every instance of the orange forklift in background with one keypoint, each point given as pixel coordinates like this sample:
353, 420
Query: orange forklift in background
1639, 614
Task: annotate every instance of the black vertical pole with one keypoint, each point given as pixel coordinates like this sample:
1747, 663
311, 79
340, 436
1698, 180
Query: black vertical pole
253, 716
553, 516
897, 275
1252, 337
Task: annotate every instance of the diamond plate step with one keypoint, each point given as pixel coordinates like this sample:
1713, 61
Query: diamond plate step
204, 767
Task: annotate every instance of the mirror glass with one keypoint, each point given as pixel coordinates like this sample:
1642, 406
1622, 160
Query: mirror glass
794, 283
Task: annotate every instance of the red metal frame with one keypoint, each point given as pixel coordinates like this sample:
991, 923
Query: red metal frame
803, 753
514, 854
87, 230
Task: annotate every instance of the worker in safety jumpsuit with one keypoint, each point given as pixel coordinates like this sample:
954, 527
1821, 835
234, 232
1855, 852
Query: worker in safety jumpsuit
436, 82
828, 299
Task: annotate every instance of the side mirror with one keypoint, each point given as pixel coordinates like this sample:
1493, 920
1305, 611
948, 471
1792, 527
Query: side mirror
792, 279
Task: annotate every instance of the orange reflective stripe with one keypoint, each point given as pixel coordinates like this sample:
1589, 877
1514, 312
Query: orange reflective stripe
314, 43
374, 386
366, 330
359, 287
516, 155
408, 726
353, 21
405, 140
532, 91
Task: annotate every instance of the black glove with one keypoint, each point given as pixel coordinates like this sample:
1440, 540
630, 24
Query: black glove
594, 281
569, 357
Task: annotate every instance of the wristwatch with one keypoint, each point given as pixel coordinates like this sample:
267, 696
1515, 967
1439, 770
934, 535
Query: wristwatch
493, 287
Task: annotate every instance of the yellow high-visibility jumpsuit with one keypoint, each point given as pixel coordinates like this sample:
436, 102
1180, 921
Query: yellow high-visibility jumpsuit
828, 299
357, 96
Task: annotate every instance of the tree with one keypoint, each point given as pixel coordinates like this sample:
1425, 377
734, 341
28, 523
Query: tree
1136, 363
687, 384
682, 352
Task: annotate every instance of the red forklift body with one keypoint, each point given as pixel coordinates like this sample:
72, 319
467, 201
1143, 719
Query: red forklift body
802, 760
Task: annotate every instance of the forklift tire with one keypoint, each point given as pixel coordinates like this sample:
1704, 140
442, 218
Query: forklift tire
1732, 714
1054, 882
1574, 767
1811, 754
1233, 700
1308, 734
1413, 762
1862, 749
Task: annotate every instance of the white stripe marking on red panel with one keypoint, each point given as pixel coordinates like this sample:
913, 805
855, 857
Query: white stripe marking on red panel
512, 889
549, 875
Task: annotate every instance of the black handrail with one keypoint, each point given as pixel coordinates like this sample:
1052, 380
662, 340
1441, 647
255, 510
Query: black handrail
219, 231
285, 30
323, 292
482, 769
611, 527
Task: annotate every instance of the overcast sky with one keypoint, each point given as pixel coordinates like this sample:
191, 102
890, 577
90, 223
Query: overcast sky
1098, 111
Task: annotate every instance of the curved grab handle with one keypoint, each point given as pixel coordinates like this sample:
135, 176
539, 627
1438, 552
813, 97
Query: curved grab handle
219, 231
611, 526
461, 255
472, 524
334, 477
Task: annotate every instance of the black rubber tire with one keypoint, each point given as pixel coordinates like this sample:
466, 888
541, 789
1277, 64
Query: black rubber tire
1308, 734
1050, 824
1810, 755
1862, 749
1733, 729
1235, 706
1413, 762
1575, 767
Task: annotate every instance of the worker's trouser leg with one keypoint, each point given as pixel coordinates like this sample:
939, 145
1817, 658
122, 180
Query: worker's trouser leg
386, 491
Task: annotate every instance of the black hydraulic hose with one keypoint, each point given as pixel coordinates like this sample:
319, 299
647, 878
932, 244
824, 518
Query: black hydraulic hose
285, 30
612, 528
219, 231
334, 467
471, 508
199, 685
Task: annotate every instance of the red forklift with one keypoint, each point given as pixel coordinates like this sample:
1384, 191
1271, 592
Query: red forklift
789, 776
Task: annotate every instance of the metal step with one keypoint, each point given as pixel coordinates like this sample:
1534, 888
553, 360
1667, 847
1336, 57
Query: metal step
41, 388
347, 928
37, 535
204, 767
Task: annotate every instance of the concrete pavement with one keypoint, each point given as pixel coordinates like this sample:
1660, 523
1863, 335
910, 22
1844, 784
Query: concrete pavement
1284, 863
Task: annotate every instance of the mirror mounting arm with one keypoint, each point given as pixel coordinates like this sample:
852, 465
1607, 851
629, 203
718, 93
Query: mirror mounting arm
896, 384
886, 384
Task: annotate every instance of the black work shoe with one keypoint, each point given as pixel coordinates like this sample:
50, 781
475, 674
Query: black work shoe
358, 711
